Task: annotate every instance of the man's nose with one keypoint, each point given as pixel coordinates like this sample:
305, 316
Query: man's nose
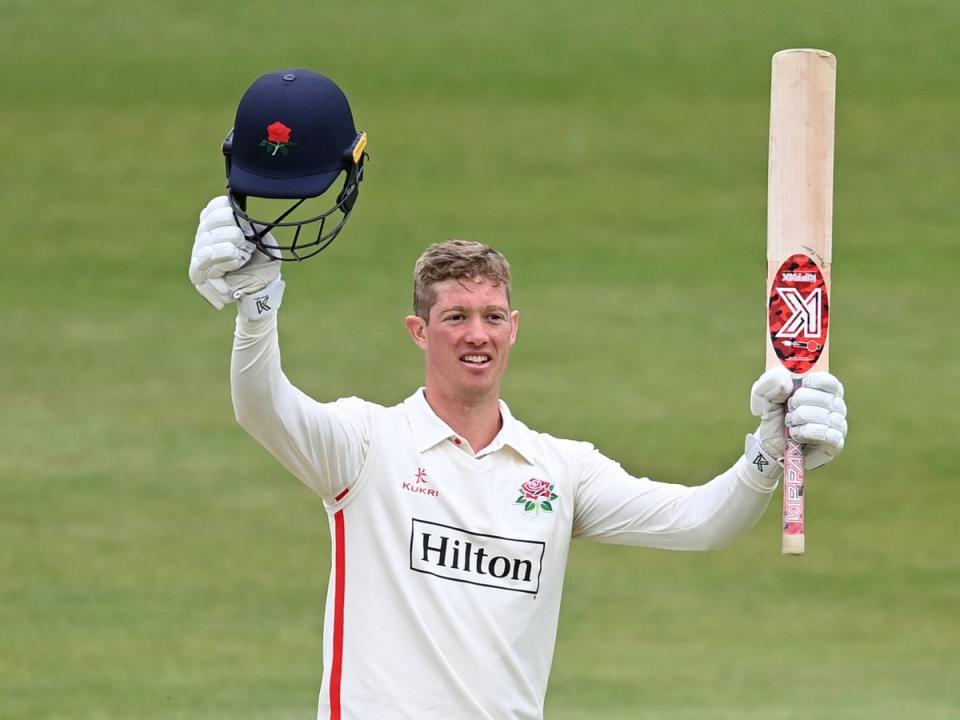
476, 331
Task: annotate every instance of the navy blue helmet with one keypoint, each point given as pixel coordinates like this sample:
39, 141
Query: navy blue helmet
292, 137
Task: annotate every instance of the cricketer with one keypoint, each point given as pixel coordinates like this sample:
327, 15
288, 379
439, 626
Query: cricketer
450, 519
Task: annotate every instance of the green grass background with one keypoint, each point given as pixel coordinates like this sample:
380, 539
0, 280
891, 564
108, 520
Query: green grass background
156, 563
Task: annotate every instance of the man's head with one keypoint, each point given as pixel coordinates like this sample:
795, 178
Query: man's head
463, 320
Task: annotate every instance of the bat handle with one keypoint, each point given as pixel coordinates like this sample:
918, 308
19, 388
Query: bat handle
793, 477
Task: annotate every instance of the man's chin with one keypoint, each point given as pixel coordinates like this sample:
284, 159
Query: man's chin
478, 387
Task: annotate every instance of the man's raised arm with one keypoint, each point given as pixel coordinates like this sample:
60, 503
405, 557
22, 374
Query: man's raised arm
322, 444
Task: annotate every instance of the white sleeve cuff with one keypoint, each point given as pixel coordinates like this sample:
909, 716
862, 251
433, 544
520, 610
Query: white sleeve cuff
263, 304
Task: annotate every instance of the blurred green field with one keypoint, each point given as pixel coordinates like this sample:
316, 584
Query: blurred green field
156, 563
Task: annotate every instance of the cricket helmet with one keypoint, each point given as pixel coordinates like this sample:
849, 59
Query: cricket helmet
292, 137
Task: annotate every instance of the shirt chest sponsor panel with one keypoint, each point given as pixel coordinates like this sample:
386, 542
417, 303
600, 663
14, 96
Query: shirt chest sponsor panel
482, 559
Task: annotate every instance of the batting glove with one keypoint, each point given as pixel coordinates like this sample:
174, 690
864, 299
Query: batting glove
815, 413
225, 266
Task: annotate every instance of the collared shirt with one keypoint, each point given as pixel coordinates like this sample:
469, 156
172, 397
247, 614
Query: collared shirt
448, 566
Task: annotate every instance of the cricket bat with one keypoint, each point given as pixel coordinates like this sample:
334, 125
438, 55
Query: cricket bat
799, 239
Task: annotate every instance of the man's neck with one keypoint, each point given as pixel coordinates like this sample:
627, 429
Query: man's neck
476, 420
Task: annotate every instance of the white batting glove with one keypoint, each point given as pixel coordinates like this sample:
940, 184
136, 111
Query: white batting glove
225, 266
815, 413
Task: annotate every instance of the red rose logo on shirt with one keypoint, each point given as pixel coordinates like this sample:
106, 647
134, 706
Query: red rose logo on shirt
278, 138
536, 495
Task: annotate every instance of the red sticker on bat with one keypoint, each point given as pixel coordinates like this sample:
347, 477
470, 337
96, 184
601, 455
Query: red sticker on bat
799, 313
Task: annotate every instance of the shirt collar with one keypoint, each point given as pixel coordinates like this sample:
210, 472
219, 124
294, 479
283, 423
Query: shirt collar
429, 430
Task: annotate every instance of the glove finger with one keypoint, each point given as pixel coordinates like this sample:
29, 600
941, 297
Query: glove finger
809, 414
207, 256
217, 291
824, 381
218, 202
215, 260
211, 295
223, 288
840, 407
839, 423
220, 217
771, 388
817, 434
211, 236
809, 396
197, 272
775, 384
227, 234
227, 263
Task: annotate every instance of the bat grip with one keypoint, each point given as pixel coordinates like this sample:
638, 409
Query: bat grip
793, 478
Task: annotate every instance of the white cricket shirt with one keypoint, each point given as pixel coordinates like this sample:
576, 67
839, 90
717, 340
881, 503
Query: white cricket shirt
448, 566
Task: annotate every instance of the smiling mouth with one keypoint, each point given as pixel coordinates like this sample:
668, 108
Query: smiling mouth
476, 360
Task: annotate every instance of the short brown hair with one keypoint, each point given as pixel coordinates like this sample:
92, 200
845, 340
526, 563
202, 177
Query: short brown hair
455, 260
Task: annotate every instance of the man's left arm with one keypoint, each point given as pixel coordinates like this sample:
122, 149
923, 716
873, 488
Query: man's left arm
614, 507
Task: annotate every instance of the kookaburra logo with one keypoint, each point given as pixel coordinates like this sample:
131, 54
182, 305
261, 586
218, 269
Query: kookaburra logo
263, 304
806, 316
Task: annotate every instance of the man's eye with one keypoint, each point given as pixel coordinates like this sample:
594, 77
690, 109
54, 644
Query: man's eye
496, 317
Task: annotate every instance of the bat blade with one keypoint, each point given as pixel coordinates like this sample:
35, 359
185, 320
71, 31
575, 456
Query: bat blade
799, 239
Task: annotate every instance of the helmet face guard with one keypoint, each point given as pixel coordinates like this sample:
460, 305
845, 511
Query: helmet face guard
305, 243
292, 138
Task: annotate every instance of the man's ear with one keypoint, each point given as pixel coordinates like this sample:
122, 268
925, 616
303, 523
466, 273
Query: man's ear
417, 327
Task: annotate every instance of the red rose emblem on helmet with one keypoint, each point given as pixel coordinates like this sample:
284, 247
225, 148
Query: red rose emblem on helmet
278, 138
536, 495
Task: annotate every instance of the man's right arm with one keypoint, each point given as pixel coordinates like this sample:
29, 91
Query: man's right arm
322, 444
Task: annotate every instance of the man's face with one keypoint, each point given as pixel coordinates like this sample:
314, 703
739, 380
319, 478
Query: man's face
467, 340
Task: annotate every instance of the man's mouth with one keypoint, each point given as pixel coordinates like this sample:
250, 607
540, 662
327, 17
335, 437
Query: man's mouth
475, 359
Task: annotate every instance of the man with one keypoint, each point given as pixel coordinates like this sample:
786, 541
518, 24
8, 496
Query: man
450, 519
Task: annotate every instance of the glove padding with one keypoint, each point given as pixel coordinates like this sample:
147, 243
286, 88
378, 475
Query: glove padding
815, 413
224, 264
